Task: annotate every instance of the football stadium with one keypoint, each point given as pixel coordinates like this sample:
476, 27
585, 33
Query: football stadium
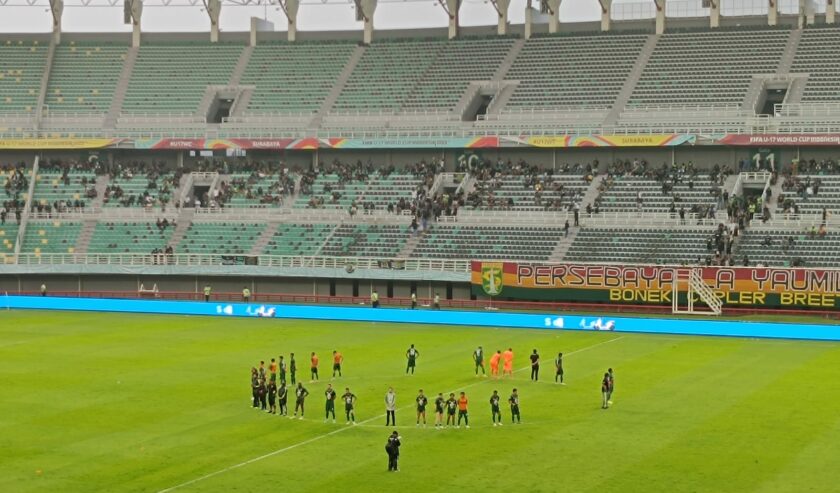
464, 231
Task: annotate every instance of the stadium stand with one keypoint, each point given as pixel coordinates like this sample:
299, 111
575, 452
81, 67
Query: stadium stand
51, 236
544, 191
8, 235
139, 191
366, 240
220, 237
57, 189
256, 189
84, 76
299, 239
640, 245
710, 68
488, 242
810, 194
21, 66
643, 192
294, 77
812, 247
128, 237
816, 56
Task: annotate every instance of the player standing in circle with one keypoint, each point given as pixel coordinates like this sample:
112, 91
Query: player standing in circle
612, 386
313, 368
330, 394
507, 357
411, 355
421, 400
478, 358
439, 403
300, 396
451, 407
349, 405
338, 358
282, 398
390, 407
514, 407
494, 408
558, 365
605, 391
535, 366
494, 363
462, 410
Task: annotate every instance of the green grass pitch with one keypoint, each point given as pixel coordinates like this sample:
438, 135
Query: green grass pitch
102, 402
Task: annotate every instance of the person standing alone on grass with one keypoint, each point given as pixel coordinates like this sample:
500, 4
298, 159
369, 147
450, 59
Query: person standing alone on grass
390, 407
439, 403
451, 407
393, 450
495, 411
337, 360
272, 397
558, 365
535, 366
462, 410
349, 405
207, 291
605, 391
421, 400
514, 407
507, 357
330, 394
611, 386
300, 396
478, 357
411, 355
313, 368
282, 398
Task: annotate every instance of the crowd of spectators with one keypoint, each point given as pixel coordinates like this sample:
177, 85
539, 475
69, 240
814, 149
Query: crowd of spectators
253, 187
159, 187
15, 187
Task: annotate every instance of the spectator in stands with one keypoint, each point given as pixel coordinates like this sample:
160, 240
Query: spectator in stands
566, 228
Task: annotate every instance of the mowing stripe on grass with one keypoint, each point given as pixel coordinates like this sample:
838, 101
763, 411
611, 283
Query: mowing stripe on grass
344, 428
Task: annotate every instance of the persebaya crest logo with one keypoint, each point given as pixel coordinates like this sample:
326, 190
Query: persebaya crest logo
491, 278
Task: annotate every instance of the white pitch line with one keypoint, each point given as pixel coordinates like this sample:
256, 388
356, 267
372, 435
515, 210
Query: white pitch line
345, 428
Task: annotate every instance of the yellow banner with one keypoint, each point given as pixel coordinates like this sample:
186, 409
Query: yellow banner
609, 140
27, 144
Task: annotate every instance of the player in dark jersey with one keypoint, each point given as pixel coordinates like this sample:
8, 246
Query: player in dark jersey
411, 355
255, 385
494, 408
330, 395
558, 366
421, 400
272, 397
439, 404
292, 367
282, 399
478, 358
282, 367
612, 386
513, 400
535, 366
262, 392
451, 407
300, 396
605, 391
349, 405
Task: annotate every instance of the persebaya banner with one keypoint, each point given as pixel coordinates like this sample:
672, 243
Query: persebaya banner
30, 144
735, 286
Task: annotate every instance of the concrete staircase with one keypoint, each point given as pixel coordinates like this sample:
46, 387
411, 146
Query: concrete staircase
796, 90
563, 245
241, 65
410, 245
632, 79
507, 62
264, 238
340, 82
122, 88
790, 51
242, 102
184, 220
753, 94
101, 184
590, 195
85, 235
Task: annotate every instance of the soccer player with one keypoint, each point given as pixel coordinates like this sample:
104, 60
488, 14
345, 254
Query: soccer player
478, 357
393, 449
514, 407
292, 367
439, 402
338, 358
413, 300
272, 397
558, 365
462, 410
282, 398
330, 395
612, 386
535, 366
390, 407
282, 367
313, 368
300, 396
255, 385
507, 358
494, 364
262, 392
422, 400
349, 405
272, 370
261, 370
605, 391
451, 406
494, 408
411, 355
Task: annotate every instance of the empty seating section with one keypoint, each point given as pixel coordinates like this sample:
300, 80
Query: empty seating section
809, 250
172, 78
294, 77
624, 193
567, 71
139, 191
625, 245
713, 68
458, 63
557, 193
83, 77
21, 66
488, 242
50, 187
51, 237
366, 240
128, 237
220, 238
298, 239
386, 74
817, 56
8, 236
381, 191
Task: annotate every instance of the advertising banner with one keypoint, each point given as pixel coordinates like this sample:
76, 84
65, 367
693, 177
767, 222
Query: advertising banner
415, 143
30, 144
780, 140
665, 140
214, 144
765, 287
